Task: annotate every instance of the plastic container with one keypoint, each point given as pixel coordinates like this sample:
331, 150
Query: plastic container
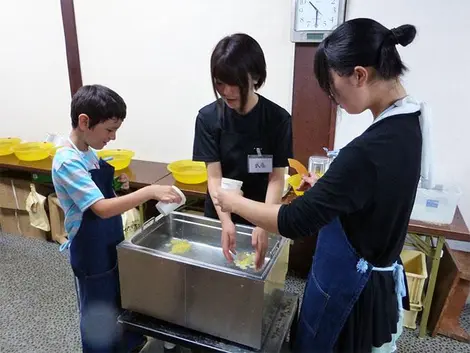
166, 208
231, 184
188, 172
119, 159
6, 145
54, 150
414, 263
294, 181
32, 151
56, 139
318, 165
437, 205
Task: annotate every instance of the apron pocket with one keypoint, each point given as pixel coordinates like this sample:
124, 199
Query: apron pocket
313, 306
99, 306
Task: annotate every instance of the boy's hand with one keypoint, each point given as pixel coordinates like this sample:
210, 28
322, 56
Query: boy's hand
124, 180
164, 193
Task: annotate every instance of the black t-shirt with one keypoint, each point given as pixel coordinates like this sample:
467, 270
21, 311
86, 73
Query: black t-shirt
222, 135
371, 186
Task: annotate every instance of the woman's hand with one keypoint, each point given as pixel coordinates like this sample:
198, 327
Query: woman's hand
259, 240
225, 199
307, 181
229, 240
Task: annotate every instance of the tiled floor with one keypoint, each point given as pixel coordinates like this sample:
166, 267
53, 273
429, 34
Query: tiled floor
38, 312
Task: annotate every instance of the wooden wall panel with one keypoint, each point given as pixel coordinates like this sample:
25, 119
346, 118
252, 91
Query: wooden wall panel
71, 45
313, 114
313, 124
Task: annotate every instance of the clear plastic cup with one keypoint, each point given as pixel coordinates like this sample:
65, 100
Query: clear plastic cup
231, 184
166, 208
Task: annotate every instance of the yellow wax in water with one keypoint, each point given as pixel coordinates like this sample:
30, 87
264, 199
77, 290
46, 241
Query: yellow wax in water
180, 246
245, 260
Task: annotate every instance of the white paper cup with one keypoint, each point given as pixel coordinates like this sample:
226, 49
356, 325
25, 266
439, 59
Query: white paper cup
166, 208
231, 184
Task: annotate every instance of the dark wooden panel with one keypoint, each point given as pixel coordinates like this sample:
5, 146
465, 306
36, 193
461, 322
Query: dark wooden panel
313, 114
313, 124
71, 45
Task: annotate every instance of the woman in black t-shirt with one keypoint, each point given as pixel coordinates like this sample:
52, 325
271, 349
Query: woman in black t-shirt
242, 135
356, 290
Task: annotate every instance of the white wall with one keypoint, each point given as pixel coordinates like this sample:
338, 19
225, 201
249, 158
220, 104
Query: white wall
438, 74
156, 54
34, 88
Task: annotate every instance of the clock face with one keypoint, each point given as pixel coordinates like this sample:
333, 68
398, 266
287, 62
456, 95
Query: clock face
316, 15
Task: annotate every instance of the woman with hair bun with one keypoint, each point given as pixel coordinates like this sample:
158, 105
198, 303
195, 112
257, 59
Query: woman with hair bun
356, 290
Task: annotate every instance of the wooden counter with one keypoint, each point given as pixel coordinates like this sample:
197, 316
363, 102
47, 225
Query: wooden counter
457, 230
140, 173
196, 190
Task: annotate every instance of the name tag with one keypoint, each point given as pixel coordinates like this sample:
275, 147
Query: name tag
260, 164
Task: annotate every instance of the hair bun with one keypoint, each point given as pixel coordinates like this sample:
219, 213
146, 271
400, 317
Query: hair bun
403, 34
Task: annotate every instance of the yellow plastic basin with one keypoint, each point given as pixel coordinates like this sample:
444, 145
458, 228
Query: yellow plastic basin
119, 159
188, 172
6, 145
54, 150
294, 181
32, 151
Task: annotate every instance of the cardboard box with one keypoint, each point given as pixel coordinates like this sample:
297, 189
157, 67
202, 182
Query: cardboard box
17, 222
14, 192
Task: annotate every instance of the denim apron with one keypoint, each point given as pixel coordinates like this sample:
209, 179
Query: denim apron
337, 277
93, 257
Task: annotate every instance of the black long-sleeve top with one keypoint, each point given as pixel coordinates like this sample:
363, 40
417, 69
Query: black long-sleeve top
371, 186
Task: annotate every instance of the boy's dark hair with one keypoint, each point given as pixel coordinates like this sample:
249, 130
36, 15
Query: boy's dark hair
233, 59
98, 102
361, 42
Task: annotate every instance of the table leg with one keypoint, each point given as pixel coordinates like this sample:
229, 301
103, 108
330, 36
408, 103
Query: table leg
436, 259
141, 212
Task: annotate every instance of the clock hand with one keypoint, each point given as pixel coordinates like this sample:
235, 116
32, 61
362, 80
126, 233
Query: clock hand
318, 11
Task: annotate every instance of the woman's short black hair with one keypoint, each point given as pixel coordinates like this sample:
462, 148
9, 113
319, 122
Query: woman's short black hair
235, 58
100, 103
361, 42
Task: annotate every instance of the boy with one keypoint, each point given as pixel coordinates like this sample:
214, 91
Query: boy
84, 186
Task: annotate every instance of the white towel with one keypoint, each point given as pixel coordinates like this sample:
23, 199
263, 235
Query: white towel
410, 105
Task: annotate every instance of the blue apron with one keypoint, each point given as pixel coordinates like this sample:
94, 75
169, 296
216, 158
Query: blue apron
93, 257
336, 280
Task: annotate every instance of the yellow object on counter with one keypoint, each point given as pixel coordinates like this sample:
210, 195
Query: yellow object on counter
6, 145
180, 246
245, 260
119, 159
188, 172
54, 150
294, 181
32, 151
299, 167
